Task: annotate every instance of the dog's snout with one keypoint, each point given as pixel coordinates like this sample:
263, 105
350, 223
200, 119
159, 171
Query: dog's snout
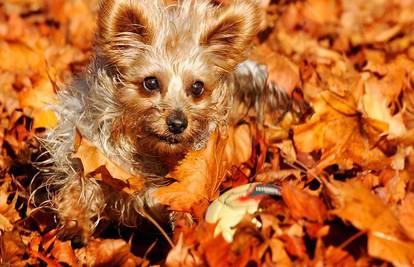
177, 122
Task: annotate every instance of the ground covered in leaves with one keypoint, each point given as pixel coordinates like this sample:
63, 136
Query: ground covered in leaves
345, 164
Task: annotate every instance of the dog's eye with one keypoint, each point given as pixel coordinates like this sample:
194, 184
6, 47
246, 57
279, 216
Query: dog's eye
197, 88
151, 84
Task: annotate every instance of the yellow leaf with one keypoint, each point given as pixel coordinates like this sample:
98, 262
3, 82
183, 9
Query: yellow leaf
44, 119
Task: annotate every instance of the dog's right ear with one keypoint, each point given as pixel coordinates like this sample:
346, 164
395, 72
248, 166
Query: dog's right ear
124, 24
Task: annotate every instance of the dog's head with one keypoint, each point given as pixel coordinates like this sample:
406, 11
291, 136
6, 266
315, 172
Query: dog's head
173, 61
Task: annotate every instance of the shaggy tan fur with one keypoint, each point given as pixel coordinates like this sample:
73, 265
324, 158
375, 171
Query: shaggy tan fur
179, 43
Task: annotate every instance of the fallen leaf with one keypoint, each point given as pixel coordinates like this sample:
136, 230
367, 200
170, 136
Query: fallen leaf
338, 131
108, 252
337, 257
322, 11
303, 205
180, 255
282, 71
386, 239
13, 249
8, 213
295, 246
398, 252
376, 107
63, 252
279, 254
96, 164
406, 215
19, 57
201, 172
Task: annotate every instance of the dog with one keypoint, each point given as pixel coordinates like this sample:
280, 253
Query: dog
164, 76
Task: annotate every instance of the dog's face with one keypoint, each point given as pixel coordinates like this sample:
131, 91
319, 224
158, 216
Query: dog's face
173, 64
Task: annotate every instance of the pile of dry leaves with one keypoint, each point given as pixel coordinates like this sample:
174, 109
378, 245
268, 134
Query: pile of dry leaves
346, 168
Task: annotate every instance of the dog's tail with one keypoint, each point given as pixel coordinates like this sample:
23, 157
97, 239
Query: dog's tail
270, 103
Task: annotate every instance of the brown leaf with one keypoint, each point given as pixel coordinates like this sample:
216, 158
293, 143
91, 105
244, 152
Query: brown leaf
386, 239
200, 174
338, 130
13, 249
282, 71
180, 255
95, 163
338, 257
398, 252
303, 205
197, 246
108, 252
376, 106
322, 11
217, 251
279, 255
19, 57
63, 252
406, 215
8, 213
295, 246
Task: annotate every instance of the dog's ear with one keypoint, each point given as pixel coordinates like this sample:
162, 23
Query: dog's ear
124, 24
230, 34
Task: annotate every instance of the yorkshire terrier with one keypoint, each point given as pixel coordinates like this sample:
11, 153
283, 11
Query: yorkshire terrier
164, 76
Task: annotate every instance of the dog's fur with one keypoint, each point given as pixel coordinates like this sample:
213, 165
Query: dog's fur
179, 43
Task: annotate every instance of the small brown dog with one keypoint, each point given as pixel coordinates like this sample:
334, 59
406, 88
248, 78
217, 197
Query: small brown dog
165, 75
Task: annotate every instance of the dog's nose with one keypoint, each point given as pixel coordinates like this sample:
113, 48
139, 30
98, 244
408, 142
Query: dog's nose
177, 122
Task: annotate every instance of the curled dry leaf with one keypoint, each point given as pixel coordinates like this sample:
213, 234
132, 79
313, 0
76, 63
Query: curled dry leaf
198, 176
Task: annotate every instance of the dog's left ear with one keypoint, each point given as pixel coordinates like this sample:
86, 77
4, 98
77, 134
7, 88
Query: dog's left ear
229, 36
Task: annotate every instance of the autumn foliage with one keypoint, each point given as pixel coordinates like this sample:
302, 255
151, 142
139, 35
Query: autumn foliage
344, 160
